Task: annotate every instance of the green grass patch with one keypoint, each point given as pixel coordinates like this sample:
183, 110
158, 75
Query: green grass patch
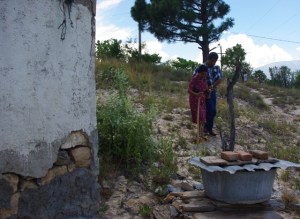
255, 100
277, 128
166, 164
145, 76
281, 96
283, 151
145, 211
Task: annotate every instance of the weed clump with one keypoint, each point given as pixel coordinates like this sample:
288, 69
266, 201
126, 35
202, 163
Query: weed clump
124, 133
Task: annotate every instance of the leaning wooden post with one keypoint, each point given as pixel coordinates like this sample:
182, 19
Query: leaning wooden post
230, 84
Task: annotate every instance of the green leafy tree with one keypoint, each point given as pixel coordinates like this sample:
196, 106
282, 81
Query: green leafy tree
281, 77
297, 79
234, 60
181, 63
189, 21
232, 56
132, 54
259, 75
111, 48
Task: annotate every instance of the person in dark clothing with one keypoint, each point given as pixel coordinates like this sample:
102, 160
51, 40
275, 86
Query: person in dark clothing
214, 76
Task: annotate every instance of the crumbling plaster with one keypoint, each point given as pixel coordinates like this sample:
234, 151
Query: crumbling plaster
47, 85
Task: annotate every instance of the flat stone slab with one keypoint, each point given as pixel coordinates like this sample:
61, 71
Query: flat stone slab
237, 215
192, 194
199, 206
269, 205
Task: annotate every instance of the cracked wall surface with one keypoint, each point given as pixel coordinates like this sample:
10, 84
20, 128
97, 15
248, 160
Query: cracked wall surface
48, 148
47, 85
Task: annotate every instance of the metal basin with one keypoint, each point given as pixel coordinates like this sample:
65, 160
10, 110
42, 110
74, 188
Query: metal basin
242, 187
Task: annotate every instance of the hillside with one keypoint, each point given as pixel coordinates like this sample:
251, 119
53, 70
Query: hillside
293, 65
265, 120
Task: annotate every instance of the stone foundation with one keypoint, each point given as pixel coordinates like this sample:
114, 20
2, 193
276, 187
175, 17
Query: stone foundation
69, 189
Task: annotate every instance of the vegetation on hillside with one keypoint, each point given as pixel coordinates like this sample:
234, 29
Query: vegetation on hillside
140, 93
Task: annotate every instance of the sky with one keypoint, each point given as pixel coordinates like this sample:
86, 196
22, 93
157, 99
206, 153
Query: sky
268, 30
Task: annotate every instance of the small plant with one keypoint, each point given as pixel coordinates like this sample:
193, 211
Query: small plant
289, 198
149, 102
167, 162
145, 211
103, 208
285, 175
168, 117
204, 152
195, 171
296, 182
182, 141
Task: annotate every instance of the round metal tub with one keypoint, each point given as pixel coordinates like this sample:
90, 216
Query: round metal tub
242, 187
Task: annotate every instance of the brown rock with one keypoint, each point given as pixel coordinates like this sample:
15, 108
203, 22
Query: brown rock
14, 202
52, 173
28, 185
76, 138
162, 212
168, 198
262, 155
178, 205
148, 199
199, 206
229, 155
192, 194
63, 158
4, 213
186, 186
81, 156
13, 180
133, 205
213, 160
71, 167
244, 156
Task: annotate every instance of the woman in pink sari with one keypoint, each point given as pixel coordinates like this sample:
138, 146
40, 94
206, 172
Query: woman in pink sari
198, 92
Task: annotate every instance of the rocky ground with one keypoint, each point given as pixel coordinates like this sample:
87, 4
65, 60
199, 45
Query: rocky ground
185, 197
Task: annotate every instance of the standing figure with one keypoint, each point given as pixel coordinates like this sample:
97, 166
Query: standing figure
198, 92
214, 76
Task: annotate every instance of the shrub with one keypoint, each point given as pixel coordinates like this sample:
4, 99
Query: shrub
109, 49
289, 199
167, 162
124, 133
145, 211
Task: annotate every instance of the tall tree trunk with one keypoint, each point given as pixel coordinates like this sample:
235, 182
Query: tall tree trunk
140, 40
205, 51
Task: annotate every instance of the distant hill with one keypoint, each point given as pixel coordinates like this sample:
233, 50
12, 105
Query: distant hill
293, 65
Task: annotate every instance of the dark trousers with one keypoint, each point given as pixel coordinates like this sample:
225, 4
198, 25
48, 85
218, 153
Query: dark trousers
211, 110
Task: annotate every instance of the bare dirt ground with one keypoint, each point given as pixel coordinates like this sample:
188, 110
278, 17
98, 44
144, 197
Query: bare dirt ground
128, 198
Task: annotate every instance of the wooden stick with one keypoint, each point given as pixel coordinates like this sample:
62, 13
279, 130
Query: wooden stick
198, 119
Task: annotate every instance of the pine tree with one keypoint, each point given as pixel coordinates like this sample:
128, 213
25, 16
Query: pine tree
189, 21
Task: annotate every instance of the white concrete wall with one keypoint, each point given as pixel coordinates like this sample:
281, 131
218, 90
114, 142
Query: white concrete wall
47, 85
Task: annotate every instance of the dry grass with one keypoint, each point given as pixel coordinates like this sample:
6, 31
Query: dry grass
289, 199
